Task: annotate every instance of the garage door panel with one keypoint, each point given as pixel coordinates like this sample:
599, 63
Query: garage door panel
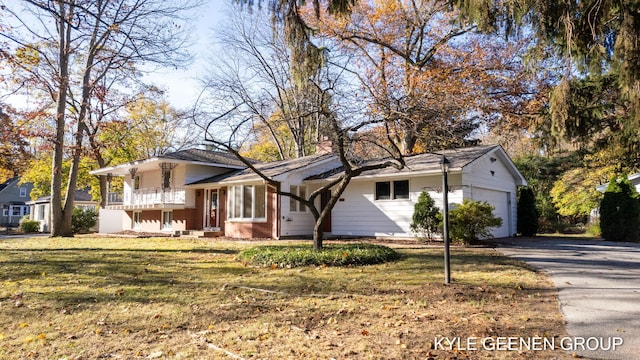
500, 201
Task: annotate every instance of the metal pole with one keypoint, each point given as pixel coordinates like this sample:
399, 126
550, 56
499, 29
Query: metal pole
445, 231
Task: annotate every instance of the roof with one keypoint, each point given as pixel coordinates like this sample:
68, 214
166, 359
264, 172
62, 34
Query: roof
633, 178
81, 195
193, 156
430, 163
205, 156
271, 169
8, 182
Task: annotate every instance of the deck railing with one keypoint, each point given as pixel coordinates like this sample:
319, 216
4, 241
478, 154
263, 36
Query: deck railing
149, 197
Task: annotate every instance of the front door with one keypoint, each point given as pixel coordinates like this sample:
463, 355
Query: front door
213, 209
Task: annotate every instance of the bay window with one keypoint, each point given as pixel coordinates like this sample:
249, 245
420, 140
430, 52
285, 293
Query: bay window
248, 202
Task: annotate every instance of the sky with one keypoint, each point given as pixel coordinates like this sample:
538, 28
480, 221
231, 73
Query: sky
181, 85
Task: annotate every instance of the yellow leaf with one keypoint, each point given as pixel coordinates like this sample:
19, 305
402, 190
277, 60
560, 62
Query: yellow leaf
28, 339
23, 325
1, 337
42, 336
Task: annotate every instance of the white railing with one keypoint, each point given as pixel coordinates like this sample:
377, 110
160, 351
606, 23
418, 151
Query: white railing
155, 196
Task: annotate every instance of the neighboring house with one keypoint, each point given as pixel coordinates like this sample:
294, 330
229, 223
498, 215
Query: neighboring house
40, 208
633, 178
594, 216
212, 192
13, 198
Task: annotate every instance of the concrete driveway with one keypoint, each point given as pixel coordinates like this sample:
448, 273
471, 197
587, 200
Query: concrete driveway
598, 286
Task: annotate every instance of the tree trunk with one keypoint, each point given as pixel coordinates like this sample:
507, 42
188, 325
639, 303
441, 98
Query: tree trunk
318, 233
58, 217
318, 236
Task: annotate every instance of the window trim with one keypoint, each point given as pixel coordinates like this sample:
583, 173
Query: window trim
395, 194
300, 190
137, 225
165, 225
23, 192
392, 195
237, 193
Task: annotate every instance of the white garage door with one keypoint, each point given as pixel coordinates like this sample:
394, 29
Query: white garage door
500, 201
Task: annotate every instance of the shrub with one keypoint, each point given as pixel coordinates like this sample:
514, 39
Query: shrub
620, 211
29, 226
471, 221
527, 213
425, 217
593, 229
83, 220
289, 256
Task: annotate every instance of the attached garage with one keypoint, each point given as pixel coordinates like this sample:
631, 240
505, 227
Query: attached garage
481, 173
501, 201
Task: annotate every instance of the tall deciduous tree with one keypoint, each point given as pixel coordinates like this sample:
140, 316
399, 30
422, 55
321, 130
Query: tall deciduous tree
71, 46
14, 146
256, 79
432, 79
227, 126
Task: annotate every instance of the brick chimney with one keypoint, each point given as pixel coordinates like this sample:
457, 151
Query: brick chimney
324, 146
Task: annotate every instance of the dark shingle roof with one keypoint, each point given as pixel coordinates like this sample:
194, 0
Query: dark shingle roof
205, 156
80, 195
275, 168
458, 158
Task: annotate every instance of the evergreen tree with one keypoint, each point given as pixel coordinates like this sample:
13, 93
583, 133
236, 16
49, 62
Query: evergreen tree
620, 211
425, 217
527, 212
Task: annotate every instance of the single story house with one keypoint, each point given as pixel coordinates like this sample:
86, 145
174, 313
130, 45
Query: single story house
13, 198
213, 193
40, 208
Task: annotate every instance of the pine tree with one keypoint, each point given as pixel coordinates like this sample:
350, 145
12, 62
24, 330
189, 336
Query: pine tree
425, 217
527, 212
620, 211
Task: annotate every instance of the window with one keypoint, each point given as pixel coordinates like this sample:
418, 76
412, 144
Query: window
401, 189
41, 209
383, 190
16, 211
5, 210
387, 190
248, 202
136, 182
23, 192
295, 205
167, 220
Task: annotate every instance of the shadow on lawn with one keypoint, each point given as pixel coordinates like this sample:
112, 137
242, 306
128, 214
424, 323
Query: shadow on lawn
78, 277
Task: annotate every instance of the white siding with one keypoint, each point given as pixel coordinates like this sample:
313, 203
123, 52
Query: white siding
296, 223
491, 181
300, 223
361, 215
112, 221
500, 201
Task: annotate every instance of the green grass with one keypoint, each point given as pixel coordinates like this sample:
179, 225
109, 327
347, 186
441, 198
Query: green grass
90, 298
290, 256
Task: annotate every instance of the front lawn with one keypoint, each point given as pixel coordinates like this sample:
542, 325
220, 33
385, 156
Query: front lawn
121, 298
